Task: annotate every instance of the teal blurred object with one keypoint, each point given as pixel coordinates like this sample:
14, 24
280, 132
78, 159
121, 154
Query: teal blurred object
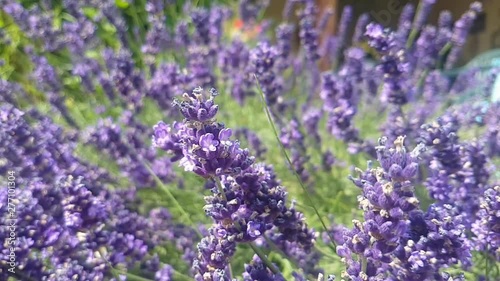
495, 95
484, 63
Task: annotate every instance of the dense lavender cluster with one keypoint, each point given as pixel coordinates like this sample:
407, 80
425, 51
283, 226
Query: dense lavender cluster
64, 209
246, 201
103, 193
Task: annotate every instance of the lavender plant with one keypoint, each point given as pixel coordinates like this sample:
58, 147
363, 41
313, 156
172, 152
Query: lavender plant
103, 191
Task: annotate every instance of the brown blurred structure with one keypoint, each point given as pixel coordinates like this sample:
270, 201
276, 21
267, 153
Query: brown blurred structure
486, 36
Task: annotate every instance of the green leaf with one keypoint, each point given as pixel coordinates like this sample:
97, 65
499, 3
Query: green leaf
122, 4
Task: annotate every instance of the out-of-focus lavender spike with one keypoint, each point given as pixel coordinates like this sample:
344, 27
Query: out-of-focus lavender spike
406, 14
492, 135
311, 121
128, 81
460, 32
325, 18
327, 162
284, 36
129, 151
9, 92
264, 30
424, 9
165, 84
394, 63
288, 9
85, 69
345, 21
113, 15
307, 30
182, 38
292, 138
426, 49
465, 81
199, 66
37, 24
249, 10
359, 31
217, 17
263, 59
79, 36
253, 140
157, 38
405, 21
200, 18
256, 270
485, 228
234, 61
445, 19
48, 81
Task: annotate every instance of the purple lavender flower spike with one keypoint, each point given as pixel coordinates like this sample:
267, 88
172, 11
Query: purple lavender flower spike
199, 66
435, 240
284, 34
167, 81
359, 31
249, 10
263, 59
344, 23
200, 18
487, 226
325, 18
460, 32
214, 252
48, 80
307, 30
288, 9
205, 144
253, 141
234, 61
182, 38
166, 139
164, 274
394, 63
197, 108
386, 201
445, 20
405, 21
424, 9
256, 270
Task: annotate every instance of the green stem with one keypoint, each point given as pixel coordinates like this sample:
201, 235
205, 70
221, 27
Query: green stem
414, 32
283, 150
220, 188
171, 196
364, 263
442, 53
264, 258
445, 49
230, 271
328, 255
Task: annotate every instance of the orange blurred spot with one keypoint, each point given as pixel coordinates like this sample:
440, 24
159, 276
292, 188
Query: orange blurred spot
238, 24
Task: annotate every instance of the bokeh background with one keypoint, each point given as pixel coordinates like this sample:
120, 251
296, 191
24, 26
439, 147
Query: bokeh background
484, 36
